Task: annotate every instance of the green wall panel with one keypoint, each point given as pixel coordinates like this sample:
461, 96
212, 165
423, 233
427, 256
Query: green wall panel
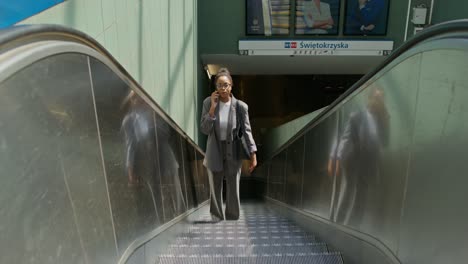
189, 119
145, 53
111, 40
108, 13
151, 27
154, 40
221, 24
122, 39
175, 91
94, 17
162, 51
133, 34
445, 10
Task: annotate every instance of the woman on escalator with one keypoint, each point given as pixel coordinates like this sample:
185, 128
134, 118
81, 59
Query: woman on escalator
226, 122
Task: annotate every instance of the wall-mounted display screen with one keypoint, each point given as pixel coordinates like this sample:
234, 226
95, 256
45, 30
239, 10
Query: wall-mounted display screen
317, 17
366, 17
268, 17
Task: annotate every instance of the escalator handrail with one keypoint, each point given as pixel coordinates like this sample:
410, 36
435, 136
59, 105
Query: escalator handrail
454, 26
14, 37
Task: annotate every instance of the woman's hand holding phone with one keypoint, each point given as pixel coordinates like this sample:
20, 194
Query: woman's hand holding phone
214, 102
214, 98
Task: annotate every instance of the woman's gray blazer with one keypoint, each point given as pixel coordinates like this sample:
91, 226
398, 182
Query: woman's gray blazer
210, 126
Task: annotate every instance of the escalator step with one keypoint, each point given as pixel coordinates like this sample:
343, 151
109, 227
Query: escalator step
189, 249
251, 219
260, 232
240, 222
327, 258
245, 232
286, 239
246, 227
256, 238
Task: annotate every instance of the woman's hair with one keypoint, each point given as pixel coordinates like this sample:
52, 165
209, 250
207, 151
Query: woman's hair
223, 72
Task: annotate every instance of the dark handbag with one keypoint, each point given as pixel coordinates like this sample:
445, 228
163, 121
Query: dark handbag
242, 148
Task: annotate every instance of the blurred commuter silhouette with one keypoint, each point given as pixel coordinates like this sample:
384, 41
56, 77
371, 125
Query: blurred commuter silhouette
169, 153
138, 129
355, 160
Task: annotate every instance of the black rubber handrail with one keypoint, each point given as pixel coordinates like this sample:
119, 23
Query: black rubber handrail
450, 27
13, 37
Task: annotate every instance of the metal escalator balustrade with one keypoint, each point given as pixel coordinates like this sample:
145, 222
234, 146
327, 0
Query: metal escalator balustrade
90, 166
378, 174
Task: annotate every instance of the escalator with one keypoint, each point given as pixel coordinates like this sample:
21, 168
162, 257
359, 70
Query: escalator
94, 171
259, 236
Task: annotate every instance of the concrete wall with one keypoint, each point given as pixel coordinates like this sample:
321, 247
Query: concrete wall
155, 40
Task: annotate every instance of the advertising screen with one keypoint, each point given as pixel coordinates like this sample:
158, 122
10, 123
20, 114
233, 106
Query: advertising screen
317, 17
268, 17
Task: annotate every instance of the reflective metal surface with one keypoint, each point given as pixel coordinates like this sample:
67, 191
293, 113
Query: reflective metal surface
191, 174
318, 185
276, 180
201, 182
171, 170
434, 220
87, 165
130, 155
53, 199
389, 161
295, 173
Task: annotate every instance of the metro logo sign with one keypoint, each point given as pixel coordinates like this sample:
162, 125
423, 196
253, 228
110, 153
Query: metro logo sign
290, 45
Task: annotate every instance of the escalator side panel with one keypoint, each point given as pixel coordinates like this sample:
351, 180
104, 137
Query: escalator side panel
398, 152
435, 214
295, 173
372, 148
128, 136
317, 184
54, 207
